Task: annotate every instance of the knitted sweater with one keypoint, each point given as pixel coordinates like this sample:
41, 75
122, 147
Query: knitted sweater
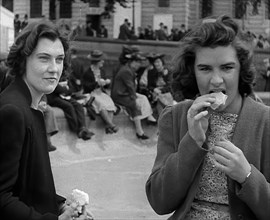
175, 176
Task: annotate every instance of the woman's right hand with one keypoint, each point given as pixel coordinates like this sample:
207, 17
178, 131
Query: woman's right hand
197, 118
69, 212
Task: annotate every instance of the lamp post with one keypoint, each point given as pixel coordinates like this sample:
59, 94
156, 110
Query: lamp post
133, 15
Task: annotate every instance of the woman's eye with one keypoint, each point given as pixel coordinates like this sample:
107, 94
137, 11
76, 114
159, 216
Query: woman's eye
227, 68
60, 60
204, 69
43, 59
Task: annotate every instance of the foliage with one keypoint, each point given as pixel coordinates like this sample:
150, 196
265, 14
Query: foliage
109, 5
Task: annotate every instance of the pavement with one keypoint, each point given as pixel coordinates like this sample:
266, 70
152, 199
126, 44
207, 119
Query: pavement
111, 168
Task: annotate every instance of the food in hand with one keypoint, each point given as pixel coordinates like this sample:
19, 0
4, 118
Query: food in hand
220, 100
79, 197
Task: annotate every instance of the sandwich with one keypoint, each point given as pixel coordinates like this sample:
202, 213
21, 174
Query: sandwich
220, 100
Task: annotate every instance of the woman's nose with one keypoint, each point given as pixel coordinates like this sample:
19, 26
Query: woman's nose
216, 78
53, 66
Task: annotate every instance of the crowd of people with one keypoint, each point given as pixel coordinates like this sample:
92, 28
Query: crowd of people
206, 166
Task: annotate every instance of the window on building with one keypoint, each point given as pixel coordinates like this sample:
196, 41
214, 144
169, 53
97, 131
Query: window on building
8, 4
163, 3
65, 9
239, 9
35, 8
94, 3
267, 9
206, 8
52, 10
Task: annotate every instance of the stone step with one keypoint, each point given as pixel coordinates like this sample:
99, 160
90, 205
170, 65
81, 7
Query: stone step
122, 120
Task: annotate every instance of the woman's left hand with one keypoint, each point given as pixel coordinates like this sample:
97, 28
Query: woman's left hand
231, 160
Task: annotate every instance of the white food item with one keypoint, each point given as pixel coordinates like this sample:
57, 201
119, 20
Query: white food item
220, 100
80, 197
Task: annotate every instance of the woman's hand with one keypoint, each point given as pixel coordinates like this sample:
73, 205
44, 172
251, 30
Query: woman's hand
197, 118
69, 212
231, 160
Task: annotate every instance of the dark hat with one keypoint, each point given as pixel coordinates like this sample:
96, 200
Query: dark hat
152, 57
129, 49
96, 55
135, 56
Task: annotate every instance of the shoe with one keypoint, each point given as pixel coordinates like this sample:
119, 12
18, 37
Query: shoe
84, 134
108, 130
149, 122
115, 128
51, 148
142, 137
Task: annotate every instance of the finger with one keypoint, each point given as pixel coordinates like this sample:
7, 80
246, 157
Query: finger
207, 97
223, 143
221, 160
220, 166
222, 152
200, 115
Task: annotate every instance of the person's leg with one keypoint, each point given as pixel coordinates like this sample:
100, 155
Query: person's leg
139, 130
68, 110
82, 131
107, 118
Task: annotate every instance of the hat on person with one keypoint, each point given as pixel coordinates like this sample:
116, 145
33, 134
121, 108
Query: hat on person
96, 55
135, 56
152, 57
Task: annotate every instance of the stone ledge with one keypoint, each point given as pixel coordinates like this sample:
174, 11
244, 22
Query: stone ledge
265, 96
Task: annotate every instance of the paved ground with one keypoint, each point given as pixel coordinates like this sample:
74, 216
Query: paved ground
112, 169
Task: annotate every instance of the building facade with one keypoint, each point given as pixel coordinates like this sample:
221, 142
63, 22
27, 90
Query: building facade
172, 13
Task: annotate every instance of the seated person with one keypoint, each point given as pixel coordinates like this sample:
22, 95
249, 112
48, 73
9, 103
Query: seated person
74, 112
156, 81
94, 83
124, 93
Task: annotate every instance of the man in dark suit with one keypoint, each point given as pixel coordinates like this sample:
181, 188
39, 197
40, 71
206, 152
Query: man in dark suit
125, 33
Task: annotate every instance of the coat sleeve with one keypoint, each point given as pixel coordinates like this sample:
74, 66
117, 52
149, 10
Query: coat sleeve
255, 192
12, 133
175, 166
128, 80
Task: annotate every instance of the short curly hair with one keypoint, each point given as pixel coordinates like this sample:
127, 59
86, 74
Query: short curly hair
27, 41
211, 32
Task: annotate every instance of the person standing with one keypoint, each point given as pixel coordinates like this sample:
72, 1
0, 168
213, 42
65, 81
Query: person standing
124, 31
27, 190
24, 22
17, 25
213, 162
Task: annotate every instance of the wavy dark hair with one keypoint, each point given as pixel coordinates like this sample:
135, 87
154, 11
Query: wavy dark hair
211, 32
27, 41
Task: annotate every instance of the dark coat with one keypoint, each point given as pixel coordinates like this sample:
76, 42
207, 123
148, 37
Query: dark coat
89, 82
124, 90
124, 33
152, 79
27, 189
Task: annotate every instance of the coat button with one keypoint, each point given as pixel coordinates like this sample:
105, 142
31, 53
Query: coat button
241, 217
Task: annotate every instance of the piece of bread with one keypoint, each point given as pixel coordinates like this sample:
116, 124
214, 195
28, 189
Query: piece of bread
220, 100
79, 197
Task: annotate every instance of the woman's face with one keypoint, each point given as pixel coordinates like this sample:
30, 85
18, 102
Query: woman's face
44, 66
217, 70
101, 63
158, 64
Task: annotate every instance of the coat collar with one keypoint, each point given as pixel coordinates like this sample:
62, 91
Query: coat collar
23, 89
